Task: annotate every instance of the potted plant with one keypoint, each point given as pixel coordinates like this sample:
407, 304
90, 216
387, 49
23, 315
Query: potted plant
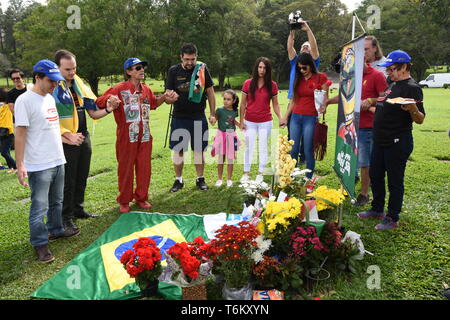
189, 265
234, 246
143, 263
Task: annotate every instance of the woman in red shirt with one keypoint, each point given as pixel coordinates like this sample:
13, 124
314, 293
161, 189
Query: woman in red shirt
255, 116
303, 109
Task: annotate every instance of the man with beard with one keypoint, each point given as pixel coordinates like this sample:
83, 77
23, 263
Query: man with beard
193, 83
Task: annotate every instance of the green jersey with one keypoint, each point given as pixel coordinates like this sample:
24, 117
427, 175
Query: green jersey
225, 119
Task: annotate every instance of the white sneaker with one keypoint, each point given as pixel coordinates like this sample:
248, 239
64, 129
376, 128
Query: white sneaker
245, 177
259, 178
218, 183
229, 183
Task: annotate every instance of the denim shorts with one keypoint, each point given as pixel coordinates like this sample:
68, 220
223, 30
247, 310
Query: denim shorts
365, 143
185, 131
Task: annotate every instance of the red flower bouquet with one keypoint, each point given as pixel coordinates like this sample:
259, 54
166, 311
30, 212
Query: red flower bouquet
188, 263
233, 247
143, 262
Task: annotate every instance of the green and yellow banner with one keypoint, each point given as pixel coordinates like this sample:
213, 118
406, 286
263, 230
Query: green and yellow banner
350, 86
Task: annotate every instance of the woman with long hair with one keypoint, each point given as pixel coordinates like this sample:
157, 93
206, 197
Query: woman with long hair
303, 109
255, 114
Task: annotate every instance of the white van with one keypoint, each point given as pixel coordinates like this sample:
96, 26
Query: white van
436, 80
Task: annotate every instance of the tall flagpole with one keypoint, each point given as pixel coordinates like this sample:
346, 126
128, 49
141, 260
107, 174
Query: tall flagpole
353, 25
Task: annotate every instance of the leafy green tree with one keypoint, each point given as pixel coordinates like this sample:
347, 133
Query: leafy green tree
327, 19
109, 33
17, 11
417, 27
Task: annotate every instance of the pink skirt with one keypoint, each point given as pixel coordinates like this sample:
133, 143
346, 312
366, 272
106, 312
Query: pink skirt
225, 143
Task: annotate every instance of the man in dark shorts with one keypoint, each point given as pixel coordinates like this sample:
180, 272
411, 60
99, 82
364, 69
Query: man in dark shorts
189, 122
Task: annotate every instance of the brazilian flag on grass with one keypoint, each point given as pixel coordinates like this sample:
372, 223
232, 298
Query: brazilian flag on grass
97, 274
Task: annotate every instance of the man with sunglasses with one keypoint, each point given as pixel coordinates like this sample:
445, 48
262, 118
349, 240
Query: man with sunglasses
134, 141
17, 76
393, 139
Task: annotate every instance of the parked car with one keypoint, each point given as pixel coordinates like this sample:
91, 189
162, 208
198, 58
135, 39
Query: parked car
436, 80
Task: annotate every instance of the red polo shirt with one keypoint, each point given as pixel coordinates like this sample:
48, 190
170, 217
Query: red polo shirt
258, 106
304, 102
374, 82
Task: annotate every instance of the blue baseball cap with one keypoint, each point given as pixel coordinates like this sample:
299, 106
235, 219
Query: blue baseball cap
397, 56
133, 61
49, 68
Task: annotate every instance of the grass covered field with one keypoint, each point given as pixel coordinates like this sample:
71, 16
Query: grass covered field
413, 259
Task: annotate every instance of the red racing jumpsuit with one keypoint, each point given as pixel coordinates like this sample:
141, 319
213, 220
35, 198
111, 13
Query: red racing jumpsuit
134, 141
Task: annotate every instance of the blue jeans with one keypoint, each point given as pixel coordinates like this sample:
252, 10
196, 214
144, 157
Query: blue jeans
47, 189
365, 144
302, 127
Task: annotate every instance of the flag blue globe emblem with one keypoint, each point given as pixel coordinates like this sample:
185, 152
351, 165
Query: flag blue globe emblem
163, 243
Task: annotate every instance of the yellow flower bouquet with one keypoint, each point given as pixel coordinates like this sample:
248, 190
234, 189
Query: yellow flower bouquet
278, 216
327, 198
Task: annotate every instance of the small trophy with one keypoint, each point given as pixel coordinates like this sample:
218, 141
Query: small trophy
295, 20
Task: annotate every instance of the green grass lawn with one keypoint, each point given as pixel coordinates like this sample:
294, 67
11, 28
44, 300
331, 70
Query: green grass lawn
413, 259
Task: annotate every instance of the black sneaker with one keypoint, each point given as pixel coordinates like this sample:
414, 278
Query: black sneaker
69, 224
361, 200
201, 184
177, 185
68, 233
85, 215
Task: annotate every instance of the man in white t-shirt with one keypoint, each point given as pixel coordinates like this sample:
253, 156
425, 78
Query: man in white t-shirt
40, 157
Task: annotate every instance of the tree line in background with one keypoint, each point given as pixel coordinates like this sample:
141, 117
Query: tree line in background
230, 34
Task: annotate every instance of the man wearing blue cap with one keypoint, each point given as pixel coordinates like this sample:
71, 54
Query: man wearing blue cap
40, 157
134, 141
395, 113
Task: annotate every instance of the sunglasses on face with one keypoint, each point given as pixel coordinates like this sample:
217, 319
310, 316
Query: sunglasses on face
138, 68
304, 68
14, 79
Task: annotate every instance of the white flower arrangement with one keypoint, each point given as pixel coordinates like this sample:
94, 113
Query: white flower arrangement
300, 174
262, 246
252, 188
